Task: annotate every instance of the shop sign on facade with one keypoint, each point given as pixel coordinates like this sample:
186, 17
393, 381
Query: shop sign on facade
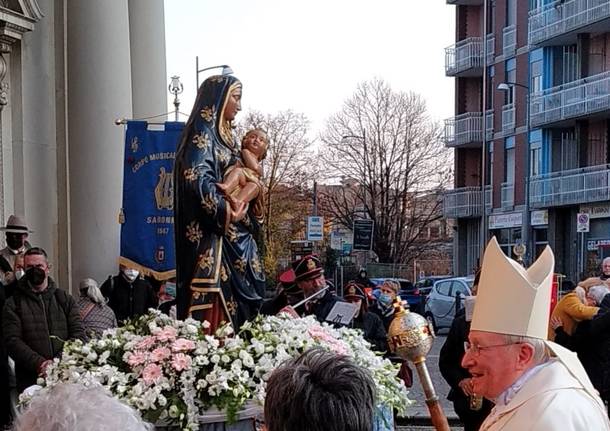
594, 244
540, 217
596, 211
503, 221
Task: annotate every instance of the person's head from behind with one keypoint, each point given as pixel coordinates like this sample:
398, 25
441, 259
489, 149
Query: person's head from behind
88, 288
69, 406
320, 391
596, 294
37, 268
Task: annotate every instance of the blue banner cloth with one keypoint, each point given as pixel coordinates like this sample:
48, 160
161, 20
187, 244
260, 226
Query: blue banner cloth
147, 215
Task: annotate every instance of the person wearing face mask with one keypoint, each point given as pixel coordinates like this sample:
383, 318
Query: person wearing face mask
37, 319
383, 307
128, 294
16, 232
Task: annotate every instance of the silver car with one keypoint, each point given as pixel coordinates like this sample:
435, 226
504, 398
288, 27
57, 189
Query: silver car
440, 306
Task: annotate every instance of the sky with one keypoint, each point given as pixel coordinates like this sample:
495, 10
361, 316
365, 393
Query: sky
309, 56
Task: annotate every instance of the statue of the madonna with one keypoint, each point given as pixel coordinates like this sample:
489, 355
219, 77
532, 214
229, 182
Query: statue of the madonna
219, 272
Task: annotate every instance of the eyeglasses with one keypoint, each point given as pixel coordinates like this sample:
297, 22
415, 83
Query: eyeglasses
475, 349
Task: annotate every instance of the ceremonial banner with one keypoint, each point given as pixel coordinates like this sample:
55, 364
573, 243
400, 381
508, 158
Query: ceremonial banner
147, 216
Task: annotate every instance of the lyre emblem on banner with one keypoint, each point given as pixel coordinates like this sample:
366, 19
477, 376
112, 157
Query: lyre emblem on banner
164, 191
160, 254
135, 144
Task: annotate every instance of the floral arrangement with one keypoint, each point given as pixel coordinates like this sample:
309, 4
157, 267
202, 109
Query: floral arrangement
172, 371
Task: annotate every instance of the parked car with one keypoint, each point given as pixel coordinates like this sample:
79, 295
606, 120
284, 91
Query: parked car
425, 284
440, 307
407, 292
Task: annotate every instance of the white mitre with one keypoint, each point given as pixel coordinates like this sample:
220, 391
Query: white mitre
513, 300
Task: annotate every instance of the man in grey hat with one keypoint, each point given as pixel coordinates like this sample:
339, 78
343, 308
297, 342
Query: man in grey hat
17, 232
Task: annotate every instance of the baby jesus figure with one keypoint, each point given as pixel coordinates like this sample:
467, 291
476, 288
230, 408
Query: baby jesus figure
242, 183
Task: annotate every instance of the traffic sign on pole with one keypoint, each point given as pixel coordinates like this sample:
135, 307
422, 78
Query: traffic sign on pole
582, 222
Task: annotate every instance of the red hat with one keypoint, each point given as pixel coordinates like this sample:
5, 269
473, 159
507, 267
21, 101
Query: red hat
287, 281
307, 268
352, 290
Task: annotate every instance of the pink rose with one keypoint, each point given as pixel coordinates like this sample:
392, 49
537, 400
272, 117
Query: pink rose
136, 358
167, 334
182, 344
181, 362
146, 343
160, 354
151, 374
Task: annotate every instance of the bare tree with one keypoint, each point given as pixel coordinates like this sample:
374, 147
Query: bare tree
287, 168
388, 160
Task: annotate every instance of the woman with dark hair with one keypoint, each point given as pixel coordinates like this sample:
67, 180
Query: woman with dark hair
219, 273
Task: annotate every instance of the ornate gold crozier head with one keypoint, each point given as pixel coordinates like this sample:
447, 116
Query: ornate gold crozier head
410, 335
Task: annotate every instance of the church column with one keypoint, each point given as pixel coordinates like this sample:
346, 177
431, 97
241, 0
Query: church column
149, 79
99, 91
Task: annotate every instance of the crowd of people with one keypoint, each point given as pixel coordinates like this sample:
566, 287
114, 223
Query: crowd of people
38, 315
502, 370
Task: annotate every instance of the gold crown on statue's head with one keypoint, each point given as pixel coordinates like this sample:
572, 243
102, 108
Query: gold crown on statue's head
511, 299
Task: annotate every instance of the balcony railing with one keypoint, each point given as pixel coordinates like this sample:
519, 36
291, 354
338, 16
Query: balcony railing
465, 2
508, 118
509, 40
572, 100
464, 129
489, 124
464, 58
490, 41
508, 195
562, 17
462, 202
576, 186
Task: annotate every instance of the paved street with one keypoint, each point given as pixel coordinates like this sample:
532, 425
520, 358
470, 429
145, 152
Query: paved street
419, 411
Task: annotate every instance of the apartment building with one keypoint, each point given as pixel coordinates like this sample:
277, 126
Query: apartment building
530, 131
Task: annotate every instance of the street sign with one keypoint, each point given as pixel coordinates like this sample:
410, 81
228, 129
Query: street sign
582, 222
363, 235
315, 228
336, 240
300, 249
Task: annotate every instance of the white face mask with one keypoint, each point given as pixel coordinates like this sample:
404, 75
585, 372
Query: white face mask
131, 274
19, 273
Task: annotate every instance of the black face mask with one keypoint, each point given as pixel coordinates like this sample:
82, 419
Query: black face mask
36, 276
15, 241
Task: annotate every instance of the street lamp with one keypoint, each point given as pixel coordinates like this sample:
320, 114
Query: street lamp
175, 88
506, 86
226, 70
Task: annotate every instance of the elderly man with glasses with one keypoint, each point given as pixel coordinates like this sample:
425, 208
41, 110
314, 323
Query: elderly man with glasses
534, 383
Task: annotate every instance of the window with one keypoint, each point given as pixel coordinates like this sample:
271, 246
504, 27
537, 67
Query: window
536, 70
510, 76
511, 12
490, 162
535, 152
459, 287
443, 287
570, 69
508, 238
509, 160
